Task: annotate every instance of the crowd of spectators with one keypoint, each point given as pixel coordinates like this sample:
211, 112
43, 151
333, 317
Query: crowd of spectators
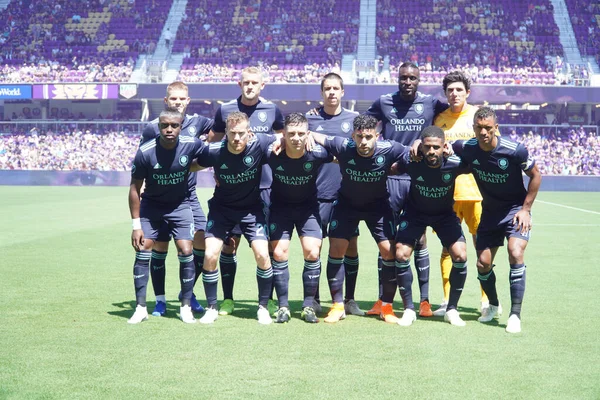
274, 73
585, 19
53, 71
441, 33
82, 151
557, 151
564, 152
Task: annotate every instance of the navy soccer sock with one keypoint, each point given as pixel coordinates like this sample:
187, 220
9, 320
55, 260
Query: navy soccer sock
335, 278
310, 280
281, 281
264, 278
404, 278
210, 280
379, 270
389, 282
517, 287
228, 263
422, 266
141, 271
187, 272
351, 273
488, 284
458, 276
158, 272
198, 263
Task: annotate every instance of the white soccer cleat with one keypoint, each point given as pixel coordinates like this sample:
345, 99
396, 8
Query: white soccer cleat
441, 311
264, 318
210, 316
488, 313
453, 317
352, 308
514, 324
186, 314
408, 317
486, 304
140, 314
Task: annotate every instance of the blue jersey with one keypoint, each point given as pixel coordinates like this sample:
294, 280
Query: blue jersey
432, 189
238, 175
329, 179
165, 171
404, 120
364, 178
194, 126
498, 173
295, 179
264, 116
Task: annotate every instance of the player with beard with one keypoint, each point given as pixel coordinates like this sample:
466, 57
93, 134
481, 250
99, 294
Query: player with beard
404, 114
264, 118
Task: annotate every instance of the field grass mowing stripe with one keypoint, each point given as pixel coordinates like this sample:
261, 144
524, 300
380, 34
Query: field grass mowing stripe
569, 207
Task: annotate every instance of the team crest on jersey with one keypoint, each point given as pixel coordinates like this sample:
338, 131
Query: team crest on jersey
446, 177
503, 163
248, 160
380, 160
209, 224
308, 166
272, 227
419, 108
262, 116
333, 224
403, 225
133, 169
183, 161
192, 130
346, 127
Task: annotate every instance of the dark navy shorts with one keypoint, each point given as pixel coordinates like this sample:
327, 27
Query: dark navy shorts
497, 225
379, 220
265, 196
178, 221
305, 219
325, 211
164, 234
222, 220
412, 225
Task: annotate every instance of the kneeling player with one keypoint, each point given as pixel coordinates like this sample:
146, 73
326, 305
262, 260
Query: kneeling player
430, 202
294, 204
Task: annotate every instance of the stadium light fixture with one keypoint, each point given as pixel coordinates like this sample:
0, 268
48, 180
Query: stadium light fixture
543, 105
220, 101
597, 105
284, 102
308, 103
525, 105
207, 102
321, 103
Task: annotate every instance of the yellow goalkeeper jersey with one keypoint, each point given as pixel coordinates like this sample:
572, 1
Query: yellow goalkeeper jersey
460, 127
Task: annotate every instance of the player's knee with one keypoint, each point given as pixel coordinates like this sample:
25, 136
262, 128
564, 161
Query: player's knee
460, 257
516, 254
421, 243
352, 250
263, 260
163, 247
199, 240
280, 254
184, 249
483, 266
402, 253
312, 254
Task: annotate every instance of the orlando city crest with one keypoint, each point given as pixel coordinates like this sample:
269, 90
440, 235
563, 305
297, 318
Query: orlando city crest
133, 169
419, 108
248, 160
346, 127
446, 177
192, 130
308, 166
262, 116
272, 227
380, 160
183, 161
403, 225
503, 163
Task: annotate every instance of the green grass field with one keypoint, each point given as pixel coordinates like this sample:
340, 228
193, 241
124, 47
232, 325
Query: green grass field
67, 291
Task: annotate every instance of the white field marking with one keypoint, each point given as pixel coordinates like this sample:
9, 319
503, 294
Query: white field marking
569, 207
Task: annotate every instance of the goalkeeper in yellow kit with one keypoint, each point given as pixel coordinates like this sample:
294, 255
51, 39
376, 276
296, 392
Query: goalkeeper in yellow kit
457, 124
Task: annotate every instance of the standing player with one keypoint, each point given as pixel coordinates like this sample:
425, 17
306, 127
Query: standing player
334, 120
294, 204
405, 114
163, 165
429, 203
457, 124
192, 126
498, 165
364, 163
264, 117
237, 164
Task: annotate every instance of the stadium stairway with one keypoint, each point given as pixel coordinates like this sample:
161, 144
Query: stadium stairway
367, 30
567, 35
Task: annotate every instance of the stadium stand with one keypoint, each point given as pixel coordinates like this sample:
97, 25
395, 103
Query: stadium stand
585, 19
